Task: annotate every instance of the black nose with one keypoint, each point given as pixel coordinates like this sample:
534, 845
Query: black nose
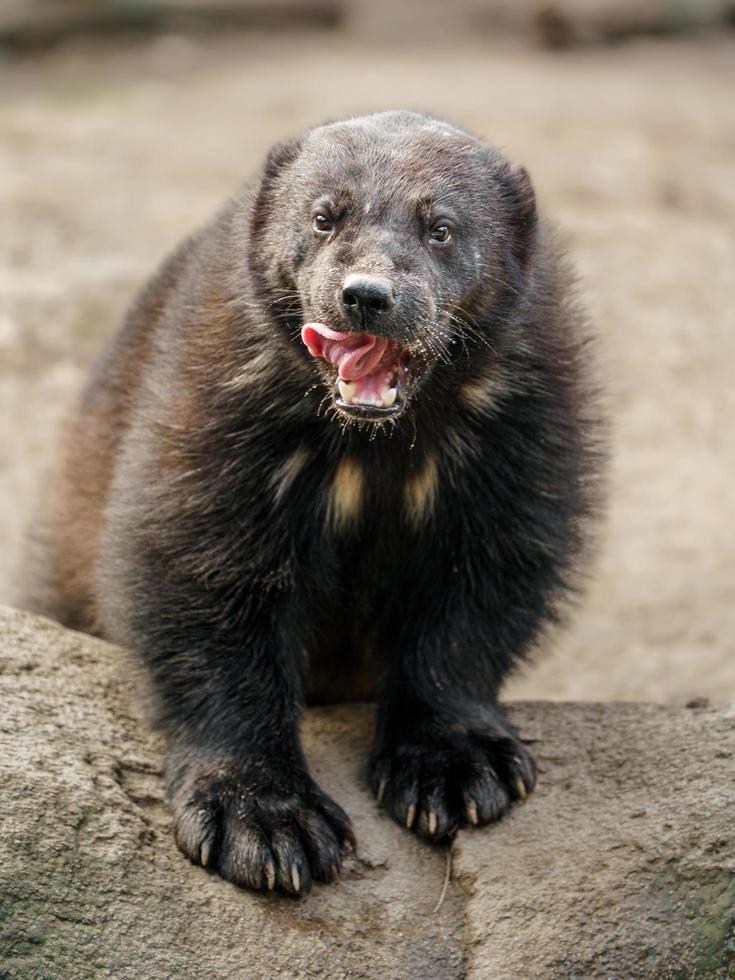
366, 295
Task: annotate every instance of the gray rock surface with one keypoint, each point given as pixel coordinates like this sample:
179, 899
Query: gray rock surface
622, 864
619, 866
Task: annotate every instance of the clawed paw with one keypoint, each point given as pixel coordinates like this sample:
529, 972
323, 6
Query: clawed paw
437, 786
281, 833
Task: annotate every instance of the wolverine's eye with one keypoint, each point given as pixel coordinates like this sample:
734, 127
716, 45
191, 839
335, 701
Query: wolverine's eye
440, 234
322, 225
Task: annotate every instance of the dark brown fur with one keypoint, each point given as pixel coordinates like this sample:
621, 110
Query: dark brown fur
219, 513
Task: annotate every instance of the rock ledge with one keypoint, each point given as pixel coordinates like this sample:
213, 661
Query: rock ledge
619, 866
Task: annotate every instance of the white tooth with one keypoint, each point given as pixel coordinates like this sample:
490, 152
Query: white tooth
389, 396
347, 390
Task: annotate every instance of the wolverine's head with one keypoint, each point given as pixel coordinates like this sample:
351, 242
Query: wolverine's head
387, 244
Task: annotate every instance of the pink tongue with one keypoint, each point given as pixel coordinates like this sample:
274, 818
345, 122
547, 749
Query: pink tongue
355, 355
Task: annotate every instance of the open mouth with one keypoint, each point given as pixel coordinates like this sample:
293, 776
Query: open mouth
371, 371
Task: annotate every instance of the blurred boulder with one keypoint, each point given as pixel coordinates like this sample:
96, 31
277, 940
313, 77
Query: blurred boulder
556, 23
562, 23
32, 24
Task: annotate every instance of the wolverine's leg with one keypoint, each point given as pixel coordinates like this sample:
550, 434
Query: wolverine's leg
444, 752
225, 665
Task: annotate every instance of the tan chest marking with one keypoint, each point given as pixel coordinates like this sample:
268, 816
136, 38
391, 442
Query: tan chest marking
420, 491
345, 494
288, 471
259, 370
484, 393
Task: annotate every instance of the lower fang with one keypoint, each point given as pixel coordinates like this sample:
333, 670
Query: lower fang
389, 396
346, 390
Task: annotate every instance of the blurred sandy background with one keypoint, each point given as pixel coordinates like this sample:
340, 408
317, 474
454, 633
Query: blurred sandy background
113, 146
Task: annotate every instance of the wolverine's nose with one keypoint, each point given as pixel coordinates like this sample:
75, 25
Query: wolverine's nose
366, 296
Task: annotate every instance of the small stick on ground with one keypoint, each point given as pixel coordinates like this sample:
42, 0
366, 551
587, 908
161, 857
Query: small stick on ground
447, 876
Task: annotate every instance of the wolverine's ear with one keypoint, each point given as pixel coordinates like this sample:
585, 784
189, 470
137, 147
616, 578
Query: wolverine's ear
279, 157
520, 199
525, 196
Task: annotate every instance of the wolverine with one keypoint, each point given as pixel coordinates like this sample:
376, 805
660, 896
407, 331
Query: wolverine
346, 445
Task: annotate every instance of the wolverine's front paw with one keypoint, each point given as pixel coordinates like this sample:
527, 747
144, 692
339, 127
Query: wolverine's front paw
436, 784
258, 826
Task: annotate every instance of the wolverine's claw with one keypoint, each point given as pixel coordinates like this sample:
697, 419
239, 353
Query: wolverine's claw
270, 875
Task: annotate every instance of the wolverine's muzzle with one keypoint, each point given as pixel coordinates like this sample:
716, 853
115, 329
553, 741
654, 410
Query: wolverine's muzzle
371, 370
